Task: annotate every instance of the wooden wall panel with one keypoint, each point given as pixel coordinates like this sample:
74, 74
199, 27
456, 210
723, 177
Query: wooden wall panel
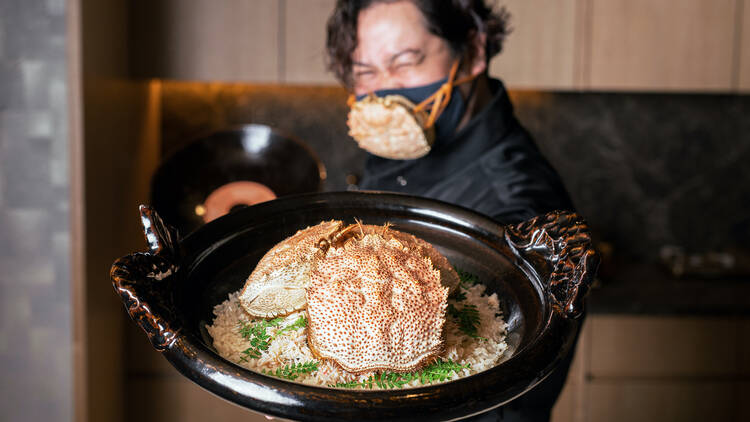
175, 398
743, 410
661, 45
541, 50
744, 47
658, 401
304, 41
227, 40
570, 404
141, 358
633, 45
120, 152
744, 339
77, 210
633, 346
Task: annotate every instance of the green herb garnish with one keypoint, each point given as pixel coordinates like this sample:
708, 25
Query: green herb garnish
293, 371
467, 279
348, 384
458, 295
301, 322
467, 318
256, 334
440, 370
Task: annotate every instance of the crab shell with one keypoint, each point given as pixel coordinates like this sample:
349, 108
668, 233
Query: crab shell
376, 304
277, 284
390, 128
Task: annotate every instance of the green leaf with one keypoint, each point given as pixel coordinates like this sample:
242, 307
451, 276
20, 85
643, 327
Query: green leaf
439, 370
301, 322
256, 334
348, 384
467, 279
458, 295
467, 318
293, 371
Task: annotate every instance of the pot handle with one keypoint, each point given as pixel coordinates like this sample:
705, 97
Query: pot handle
144, 280
558, 247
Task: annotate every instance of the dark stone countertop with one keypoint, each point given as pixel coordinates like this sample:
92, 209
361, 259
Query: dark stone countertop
648, 289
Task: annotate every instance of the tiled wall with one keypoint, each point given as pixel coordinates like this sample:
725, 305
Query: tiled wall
35, 311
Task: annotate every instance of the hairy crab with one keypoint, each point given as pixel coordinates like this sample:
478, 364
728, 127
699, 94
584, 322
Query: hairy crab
375, 297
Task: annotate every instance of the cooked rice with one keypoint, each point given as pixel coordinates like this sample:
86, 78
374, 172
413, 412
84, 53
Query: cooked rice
291, 347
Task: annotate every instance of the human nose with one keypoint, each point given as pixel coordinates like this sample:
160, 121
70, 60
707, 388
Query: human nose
388, 79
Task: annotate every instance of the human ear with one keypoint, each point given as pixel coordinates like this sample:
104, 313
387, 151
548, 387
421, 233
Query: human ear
478, 59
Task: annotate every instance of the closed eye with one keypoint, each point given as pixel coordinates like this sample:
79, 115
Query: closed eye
407, 58
361, 73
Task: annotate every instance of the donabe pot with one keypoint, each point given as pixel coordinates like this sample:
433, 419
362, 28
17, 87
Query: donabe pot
541, 270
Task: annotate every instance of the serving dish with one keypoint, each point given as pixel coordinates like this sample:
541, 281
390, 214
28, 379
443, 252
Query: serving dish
541, 270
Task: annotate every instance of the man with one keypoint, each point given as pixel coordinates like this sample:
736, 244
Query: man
431, 57
481, 157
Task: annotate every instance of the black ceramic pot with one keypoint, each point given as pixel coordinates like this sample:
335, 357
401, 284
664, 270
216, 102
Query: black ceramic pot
541, 270
278, 162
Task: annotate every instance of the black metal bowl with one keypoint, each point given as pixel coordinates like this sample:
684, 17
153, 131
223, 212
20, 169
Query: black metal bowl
257, 153
541, 269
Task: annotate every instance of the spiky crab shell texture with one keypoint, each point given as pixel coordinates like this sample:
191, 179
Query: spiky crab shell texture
375, 304
448, 275
389, 127
277, 284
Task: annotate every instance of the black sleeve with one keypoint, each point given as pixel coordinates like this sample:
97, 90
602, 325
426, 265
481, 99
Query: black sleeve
524, 182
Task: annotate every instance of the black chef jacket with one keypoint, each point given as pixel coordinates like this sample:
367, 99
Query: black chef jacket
491, 166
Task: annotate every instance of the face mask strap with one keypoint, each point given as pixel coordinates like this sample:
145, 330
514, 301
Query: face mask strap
438, 101
442, 97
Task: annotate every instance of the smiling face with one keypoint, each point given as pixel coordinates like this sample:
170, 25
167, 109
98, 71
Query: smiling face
396, 50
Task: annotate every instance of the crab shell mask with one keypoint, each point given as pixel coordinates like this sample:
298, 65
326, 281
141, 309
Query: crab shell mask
394, 127
390, 127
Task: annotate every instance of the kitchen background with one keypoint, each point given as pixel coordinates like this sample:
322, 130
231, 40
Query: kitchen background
641, 105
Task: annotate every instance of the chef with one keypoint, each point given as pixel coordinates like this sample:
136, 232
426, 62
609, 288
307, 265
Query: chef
435, 124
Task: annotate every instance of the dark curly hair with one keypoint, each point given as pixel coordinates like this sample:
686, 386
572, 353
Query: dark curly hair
455, 21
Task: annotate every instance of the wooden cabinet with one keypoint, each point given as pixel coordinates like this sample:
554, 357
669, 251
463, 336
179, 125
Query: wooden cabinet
744, 339
208, 40
175, 398
542, 50
658, 368
619, 45
657, 401
627, 45
305, 41
743, 48
663, 347
661, 45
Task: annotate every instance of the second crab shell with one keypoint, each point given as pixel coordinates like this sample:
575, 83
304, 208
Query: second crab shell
389, 127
